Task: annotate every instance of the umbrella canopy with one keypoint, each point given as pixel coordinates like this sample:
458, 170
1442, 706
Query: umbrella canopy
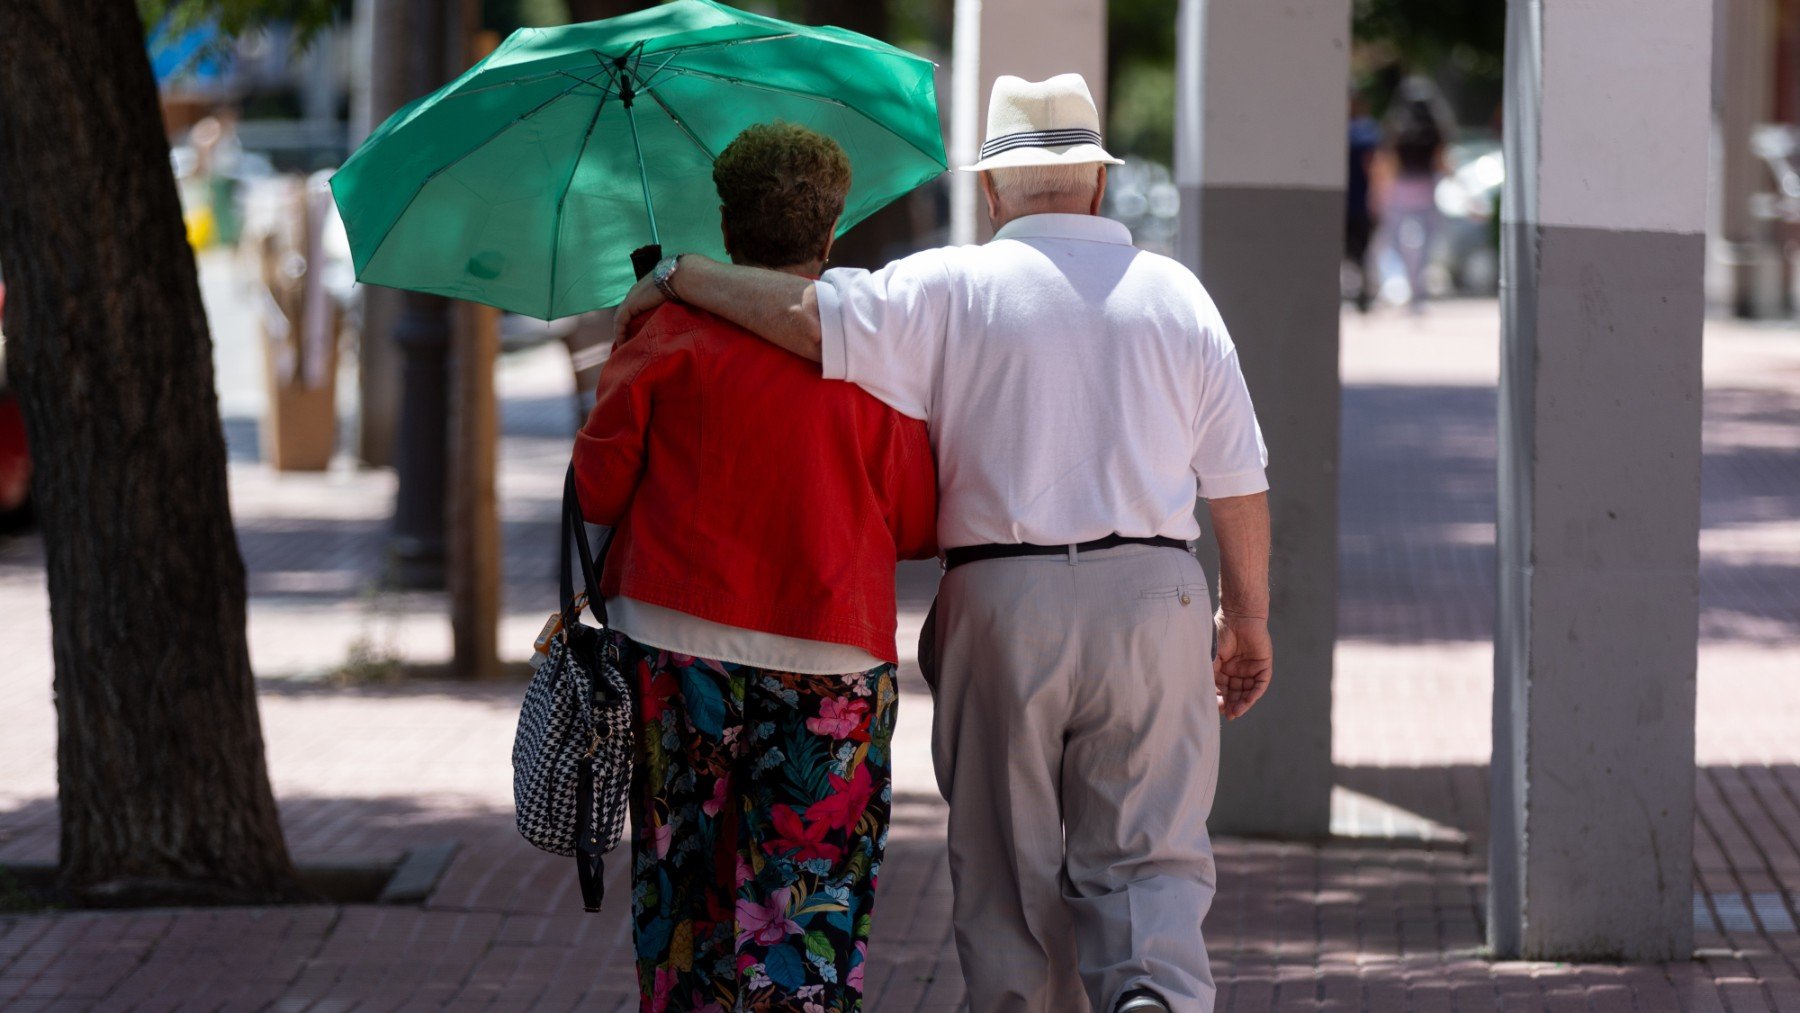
526, 182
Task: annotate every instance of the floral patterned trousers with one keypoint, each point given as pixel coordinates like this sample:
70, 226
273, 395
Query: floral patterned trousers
759, 818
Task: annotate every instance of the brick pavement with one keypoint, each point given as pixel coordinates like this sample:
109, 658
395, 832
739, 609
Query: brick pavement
1385, 916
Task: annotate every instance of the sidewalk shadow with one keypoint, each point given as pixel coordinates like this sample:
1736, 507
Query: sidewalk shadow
1417, 507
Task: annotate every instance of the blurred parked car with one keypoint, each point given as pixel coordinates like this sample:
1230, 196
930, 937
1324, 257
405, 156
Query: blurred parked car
1142, 194
15, 460
1468, 250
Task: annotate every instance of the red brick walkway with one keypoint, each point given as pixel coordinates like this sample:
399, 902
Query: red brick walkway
1386, 916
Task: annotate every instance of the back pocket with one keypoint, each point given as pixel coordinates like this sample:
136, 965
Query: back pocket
1184, 594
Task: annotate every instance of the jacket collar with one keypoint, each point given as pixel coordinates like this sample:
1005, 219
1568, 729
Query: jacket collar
1092, 228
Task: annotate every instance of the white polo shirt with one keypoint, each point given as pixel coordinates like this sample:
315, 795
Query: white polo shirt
1074, 385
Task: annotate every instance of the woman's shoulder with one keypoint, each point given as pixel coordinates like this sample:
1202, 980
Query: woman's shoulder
671, 321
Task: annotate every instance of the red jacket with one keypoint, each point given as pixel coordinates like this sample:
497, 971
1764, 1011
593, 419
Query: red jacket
748, 490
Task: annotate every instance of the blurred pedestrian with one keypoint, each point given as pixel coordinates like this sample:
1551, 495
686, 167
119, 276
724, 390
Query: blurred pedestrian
759, 510
1359, 214
1081, 392
1418, 130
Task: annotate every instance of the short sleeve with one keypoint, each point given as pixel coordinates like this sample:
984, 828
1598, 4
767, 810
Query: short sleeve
1229, 456
884, 330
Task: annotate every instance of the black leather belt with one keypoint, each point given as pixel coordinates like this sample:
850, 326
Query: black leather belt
956, 557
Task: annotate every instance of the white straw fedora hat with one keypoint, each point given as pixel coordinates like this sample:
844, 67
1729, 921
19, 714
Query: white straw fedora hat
1050, 122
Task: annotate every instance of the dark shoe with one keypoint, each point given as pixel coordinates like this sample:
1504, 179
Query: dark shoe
1141, 1000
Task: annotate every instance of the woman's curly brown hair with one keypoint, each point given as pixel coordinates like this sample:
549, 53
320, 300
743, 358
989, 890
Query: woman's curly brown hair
783, 188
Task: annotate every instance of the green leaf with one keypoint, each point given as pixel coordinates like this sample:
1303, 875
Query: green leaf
807, 767
820, 946
236, 17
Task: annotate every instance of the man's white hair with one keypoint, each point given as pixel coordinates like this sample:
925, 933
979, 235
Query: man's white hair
1031, 184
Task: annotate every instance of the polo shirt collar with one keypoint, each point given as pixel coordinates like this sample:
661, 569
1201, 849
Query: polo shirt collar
1092, 228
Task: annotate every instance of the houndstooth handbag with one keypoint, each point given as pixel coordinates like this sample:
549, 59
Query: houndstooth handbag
572, 753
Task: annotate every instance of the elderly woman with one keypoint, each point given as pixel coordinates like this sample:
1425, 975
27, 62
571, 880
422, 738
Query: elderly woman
759, 512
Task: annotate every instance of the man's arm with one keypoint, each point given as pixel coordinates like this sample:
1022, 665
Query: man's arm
1245, 661
781, 308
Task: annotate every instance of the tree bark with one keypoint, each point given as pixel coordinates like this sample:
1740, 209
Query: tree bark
160, 770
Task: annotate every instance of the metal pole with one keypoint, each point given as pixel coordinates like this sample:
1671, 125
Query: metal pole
626, 95
421, 457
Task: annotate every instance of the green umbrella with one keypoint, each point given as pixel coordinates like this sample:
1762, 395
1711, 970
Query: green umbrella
526, 182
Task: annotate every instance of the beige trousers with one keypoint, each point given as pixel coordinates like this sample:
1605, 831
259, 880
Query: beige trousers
1076, 739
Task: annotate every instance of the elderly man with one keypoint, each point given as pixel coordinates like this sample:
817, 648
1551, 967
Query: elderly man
1079, 394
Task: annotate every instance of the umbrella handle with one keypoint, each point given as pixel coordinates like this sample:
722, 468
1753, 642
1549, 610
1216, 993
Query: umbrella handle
645, 258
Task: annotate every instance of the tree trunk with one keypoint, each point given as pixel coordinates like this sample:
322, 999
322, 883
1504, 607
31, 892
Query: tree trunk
160, 771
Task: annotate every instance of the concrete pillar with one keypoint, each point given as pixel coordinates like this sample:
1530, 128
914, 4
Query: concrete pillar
1260, 158
1032, 39
1593, 770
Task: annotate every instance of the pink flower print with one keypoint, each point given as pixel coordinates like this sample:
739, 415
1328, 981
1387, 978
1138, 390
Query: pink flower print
854, 981
766, 924
840, 719
714, 805
744, 873
660, 836
659, 992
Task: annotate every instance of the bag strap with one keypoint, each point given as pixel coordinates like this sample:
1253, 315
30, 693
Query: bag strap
574, 528
590, 864
590, 868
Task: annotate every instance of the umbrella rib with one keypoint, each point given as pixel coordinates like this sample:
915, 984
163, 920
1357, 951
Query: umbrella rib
515, 121
676, 50
453, 163
804, 95
512, 82
647, 87
649, 82
759, 86
562, 198
685, 129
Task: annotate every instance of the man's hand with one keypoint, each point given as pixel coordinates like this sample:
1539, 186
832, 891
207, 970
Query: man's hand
643, 297
779, 307
1245, 662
